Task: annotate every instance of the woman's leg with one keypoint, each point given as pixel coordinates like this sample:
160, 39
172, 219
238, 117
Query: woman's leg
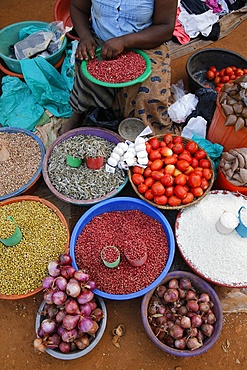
84, 95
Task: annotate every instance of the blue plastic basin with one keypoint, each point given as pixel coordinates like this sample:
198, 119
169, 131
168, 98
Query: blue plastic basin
124, 204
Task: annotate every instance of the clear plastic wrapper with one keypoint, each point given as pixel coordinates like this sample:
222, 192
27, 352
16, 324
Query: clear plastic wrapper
43, 42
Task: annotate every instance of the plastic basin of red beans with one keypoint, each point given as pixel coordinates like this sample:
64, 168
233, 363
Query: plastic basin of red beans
183, 315
126, 223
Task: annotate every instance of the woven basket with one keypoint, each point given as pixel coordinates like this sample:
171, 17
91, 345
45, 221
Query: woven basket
167, 207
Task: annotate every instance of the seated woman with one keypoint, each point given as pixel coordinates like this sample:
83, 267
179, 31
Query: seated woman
117, 26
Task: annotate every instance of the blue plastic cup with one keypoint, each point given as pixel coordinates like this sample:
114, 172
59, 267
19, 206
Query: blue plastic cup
241, 228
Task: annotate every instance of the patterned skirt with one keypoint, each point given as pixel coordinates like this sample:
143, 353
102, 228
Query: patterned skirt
147, 100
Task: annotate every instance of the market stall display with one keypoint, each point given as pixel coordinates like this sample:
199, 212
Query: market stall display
21, 157
72, 319
216, 256
130, 225
129, 68
182, 315
200, 62
229, 123
45, 235
232, 171
83, 185
178, 173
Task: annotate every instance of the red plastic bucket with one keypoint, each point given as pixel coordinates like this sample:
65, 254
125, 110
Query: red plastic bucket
221, 183
225, 135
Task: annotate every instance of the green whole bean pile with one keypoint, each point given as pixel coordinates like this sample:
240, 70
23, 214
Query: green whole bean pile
24, 266
7, 228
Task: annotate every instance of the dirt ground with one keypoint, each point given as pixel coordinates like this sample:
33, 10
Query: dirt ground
137, 351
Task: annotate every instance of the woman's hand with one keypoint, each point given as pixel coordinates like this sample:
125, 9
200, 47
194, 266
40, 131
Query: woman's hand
86, 49
112, 47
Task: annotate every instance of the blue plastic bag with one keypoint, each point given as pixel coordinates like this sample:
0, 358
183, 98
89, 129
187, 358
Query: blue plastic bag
18, 108
47, 85
214, 151
68, 66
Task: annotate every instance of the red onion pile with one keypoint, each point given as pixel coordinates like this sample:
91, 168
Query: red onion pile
71, 316
180, 316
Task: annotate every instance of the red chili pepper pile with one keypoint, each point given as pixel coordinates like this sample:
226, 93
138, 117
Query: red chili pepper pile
126, 67
121, 229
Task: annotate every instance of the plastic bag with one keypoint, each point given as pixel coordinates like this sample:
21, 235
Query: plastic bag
43, 41
32, 45
196, 125
206, 104
232, 300
18, 107
213, 150
68, 66
47, 85
179, 111
177, 90
100, 117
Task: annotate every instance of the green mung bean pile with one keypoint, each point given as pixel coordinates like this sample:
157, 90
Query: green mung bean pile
24, 266
7, 228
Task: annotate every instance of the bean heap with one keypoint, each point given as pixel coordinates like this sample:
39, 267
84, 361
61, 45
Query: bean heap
7, 228
23, 267
22, 164
126, 67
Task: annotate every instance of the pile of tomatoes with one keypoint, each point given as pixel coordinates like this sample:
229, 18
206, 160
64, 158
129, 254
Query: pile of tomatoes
227, 74
176, 173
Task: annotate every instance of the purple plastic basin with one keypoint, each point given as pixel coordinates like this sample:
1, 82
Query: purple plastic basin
95, 131
201, 286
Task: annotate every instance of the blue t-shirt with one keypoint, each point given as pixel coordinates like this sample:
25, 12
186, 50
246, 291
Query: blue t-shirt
112, 18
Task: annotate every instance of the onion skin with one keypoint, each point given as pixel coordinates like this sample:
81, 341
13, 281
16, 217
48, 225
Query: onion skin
53, 341
64, 259
73, 288
61, 283
69, 335
161, 289
53, 269
85, 296
193, 343
70, 321
82, 342
207, 329
171, 295
69, 300
185, 284
48, 326
67, 271
183, 318
173, 284
81, 276
59, 298
181, 343
39, 346
47, 282
72, 307
64, 347
97, 314
176, 332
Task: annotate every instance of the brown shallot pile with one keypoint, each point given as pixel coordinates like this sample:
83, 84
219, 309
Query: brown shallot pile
180, 316
233, 164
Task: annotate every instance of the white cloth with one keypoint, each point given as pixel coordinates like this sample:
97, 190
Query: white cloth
194, 24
